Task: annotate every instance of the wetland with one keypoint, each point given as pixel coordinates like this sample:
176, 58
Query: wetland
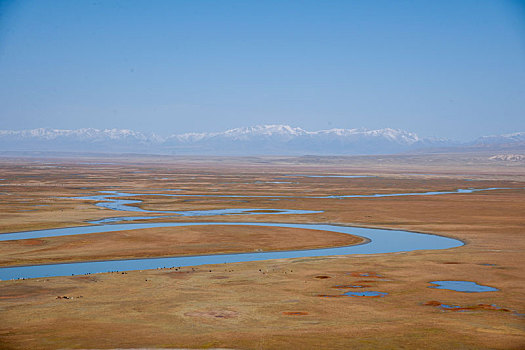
291, 241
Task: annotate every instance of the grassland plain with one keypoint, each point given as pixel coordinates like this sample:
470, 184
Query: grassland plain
272, 304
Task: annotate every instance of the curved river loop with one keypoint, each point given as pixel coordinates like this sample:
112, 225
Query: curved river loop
378, 241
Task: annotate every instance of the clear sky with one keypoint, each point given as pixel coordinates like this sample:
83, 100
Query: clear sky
439, 68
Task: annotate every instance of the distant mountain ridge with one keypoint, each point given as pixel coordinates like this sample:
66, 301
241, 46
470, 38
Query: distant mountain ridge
254, 140
501, 139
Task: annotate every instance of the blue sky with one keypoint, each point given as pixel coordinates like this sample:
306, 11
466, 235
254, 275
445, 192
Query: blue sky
451, 69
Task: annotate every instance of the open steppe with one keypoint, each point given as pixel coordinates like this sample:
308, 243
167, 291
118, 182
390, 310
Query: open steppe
272, 304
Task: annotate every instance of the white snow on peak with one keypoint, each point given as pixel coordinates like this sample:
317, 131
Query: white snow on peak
258, 139
388, 133
505, 138
271, 129
279, 130
81, 134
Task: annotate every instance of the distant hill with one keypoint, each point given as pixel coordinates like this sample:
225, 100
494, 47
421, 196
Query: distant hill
515, 141
256, 140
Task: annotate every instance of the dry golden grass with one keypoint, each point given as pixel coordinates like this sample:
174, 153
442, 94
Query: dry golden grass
167, 241
272, 304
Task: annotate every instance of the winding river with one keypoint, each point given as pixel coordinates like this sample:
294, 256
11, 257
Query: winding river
378, 240
114, 200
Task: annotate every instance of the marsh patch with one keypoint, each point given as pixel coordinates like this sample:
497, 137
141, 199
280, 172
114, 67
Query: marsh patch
295, 313
462, 286
219, 277
446, 307
365, 274
349, 286
322, 277
213, 314
31, 242
366, 294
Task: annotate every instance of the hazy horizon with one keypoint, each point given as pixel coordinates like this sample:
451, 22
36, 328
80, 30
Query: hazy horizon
270, 126
449, 69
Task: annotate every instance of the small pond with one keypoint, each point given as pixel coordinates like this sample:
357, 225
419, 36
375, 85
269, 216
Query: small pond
463, 286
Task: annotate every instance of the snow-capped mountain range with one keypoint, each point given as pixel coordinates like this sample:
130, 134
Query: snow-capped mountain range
255, 140
502, 139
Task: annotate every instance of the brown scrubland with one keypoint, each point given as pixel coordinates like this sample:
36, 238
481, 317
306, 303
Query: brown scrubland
274, 304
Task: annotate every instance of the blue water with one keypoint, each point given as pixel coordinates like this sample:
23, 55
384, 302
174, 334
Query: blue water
463, 286
375, 195
365, 294
127, 218
429, 193
380, 241
112, 200
341, 176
